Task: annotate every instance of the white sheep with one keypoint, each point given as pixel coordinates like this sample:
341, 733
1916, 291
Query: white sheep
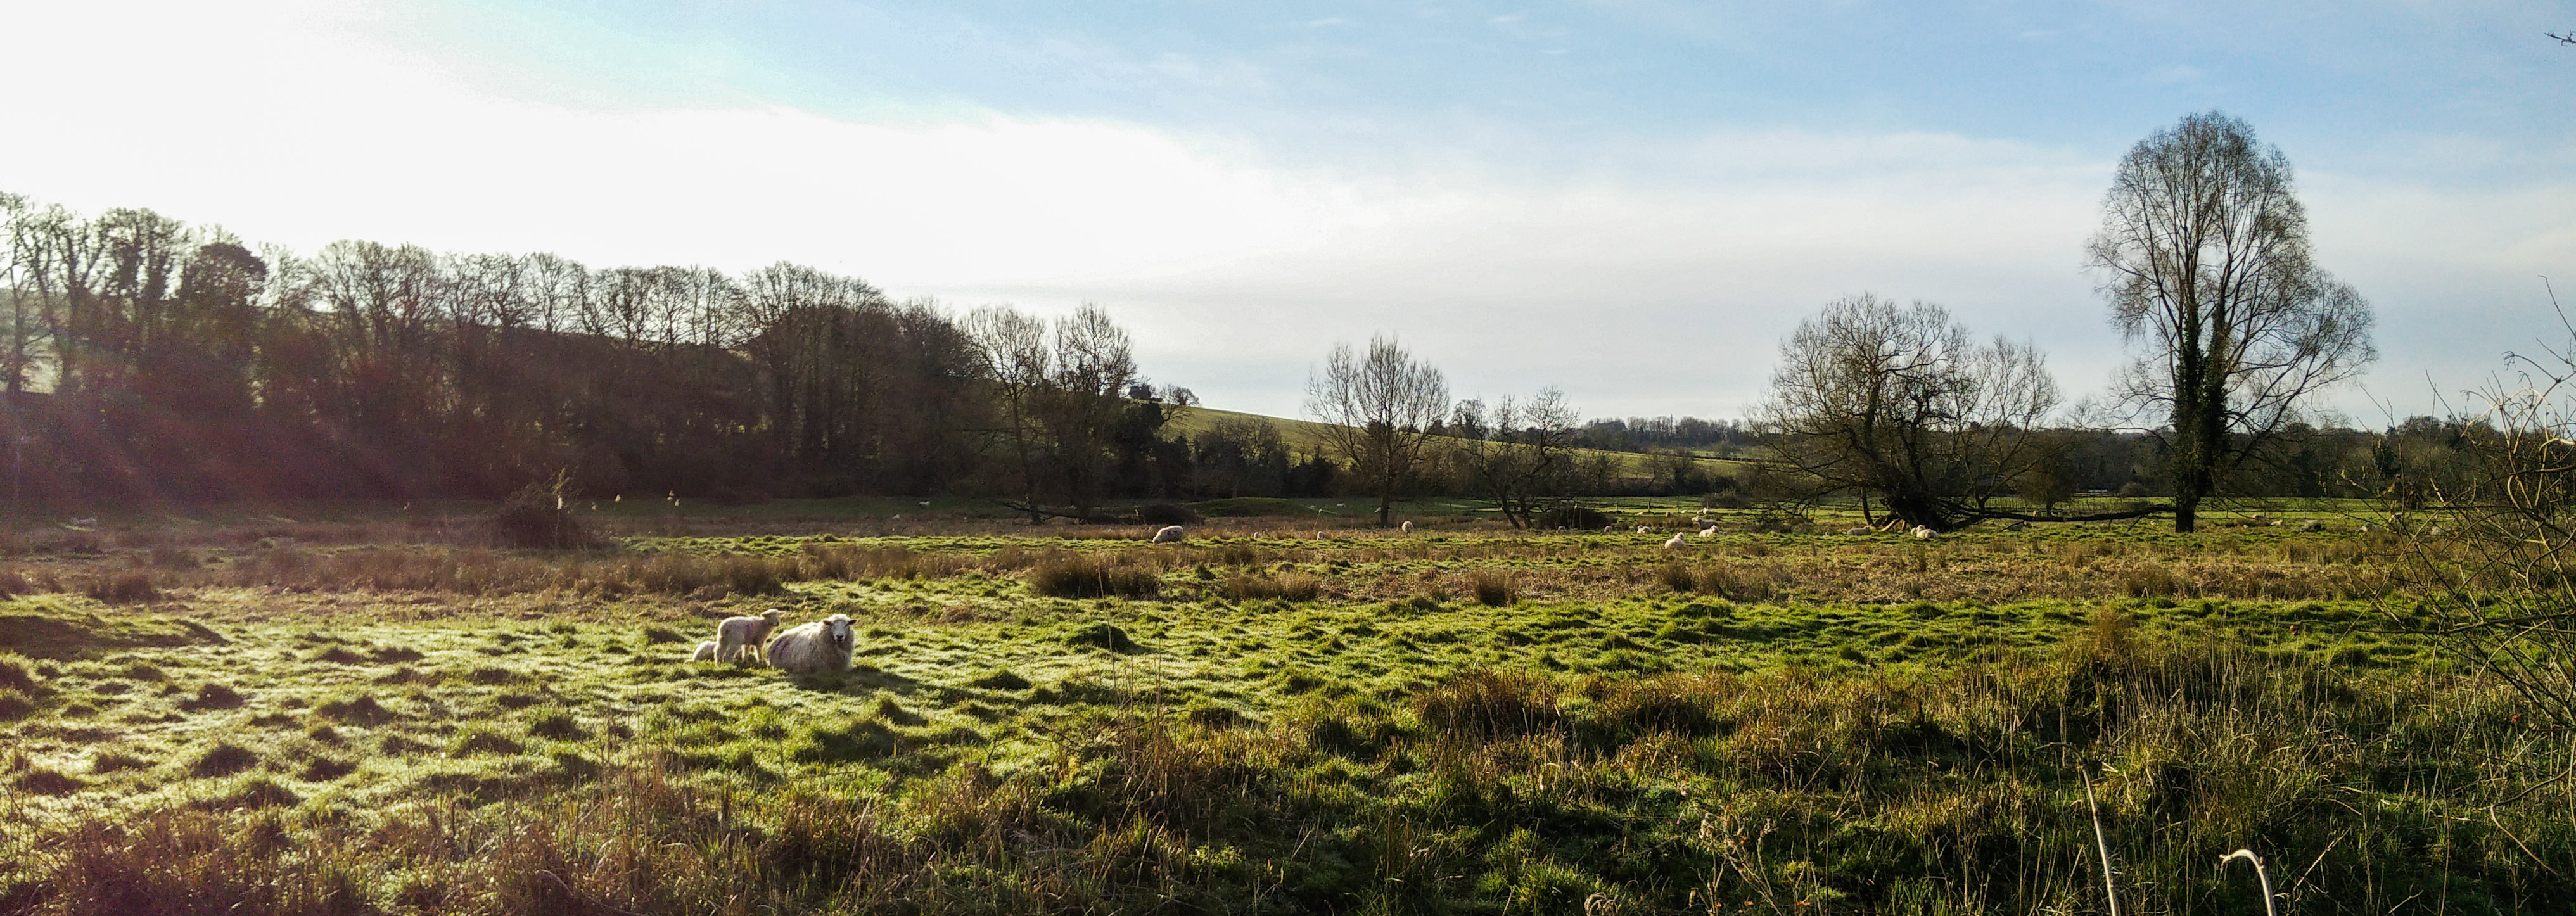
1708, 532
2312, 525
817, 647
1676, 543
738, 639
1645, 529
1408, 527
1864, 529
706, 652
1922, 533
1171, 534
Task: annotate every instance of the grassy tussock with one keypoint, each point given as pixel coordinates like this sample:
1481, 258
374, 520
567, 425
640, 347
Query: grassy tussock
1072, 575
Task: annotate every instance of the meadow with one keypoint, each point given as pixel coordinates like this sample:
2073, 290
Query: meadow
363, 709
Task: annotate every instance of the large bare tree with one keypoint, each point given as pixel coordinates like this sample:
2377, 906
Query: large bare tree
1378, 410
1900, 403
1517, 453
2205, 260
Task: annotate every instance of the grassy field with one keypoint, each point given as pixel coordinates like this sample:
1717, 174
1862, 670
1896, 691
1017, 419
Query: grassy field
357, 710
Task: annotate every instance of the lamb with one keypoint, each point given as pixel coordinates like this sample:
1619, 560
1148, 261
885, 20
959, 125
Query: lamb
738, 639
1922, 533
1708, 532
1645, 529
1864, 529
816, 647
1408, 527
1676, 543
706, 652
1171, 534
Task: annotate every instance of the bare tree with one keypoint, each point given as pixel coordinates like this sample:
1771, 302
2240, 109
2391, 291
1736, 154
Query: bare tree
1378, 410
23, 340
1517, 453
1094, 366
2497, 574
2204, 253
1013, 347
1900, 403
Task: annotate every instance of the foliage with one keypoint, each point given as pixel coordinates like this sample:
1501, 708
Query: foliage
2205, 259
1900, 404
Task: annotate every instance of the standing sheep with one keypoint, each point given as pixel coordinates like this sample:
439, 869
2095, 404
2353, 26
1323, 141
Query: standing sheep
1170, 534
819, 647
738, 639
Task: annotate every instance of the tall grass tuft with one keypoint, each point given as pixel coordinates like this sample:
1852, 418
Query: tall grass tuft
132, 586
1493, 587
1070, 575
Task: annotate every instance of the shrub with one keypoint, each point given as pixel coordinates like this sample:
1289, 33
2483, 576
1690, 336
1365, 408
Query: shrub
1493, 587
1071, 576
539, 517
133, 586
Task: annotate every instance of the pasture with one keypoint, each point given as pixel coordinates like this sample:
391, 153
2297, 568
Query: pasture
362, 711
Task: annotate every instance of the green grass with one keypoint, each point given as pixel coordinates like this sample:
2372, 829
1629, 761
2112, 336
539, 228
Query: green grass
1809, 722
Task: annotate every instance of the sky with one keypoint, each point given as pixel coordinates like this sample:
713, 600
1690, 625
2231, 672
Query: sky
1634, 201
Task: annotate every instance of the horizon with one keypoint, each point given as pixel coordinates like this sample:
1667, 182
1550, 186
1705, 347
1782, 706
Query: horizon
1630, 202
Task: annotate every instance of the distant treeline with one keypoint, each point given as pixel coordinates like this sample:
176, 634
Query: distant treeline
142, 359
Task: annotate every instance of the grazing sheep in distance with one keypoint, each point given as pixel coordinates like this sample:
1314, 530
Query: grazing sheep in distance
1708, 532
1408, 527
1645, 529
738, 639
1676, 543
1864, 529
817, 647
706, 652
1171, 534
2312, 525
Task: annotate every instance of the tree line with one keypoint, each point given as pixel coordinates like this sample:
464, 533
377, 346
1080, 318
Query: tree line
143, 359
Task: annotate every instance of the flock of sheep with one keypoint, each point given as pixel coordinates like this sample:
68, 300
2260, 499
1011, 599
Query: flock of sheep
816, 647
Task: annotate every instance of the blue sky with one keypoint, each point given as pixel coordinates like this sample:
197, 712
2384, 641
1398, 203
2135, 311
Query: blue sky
1635, 201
